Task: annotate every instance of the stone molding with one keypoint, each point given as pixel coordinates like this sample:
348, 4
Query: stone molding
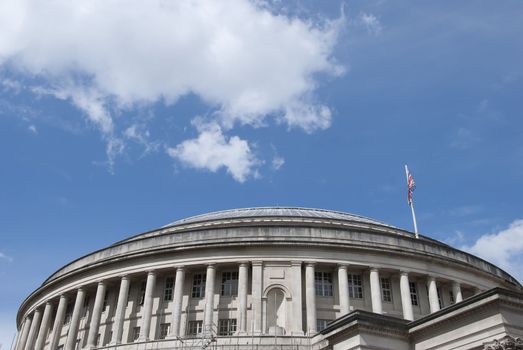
505, 343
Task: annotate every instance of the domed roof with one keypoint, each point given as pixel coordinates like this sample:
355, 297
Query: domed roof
264, 212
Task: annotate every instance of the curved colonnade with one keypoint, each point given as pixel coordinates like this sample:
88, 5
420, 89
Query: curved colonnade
246, 277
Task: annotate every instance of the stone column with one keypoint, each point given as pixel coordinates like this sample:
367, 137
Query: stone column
406, 302
119, 315
58, 323
97, 313
456, 290
433, 294
147, 310
35, 324
44, 326
24, 333
297, 327
310, 298
17, 337
257, 291
243, 276
375, 291
343, 285
209, 298
75, 320
177, 298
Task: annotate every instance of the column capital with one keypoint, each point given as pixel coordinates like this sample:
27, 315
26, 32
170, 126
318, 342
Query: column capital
243, 263
179, 267
151, 272
431, 278
211, 265
257, 263
124, 277
456, 283
404, 273
343, 266
101, 282
310, 263
296, 263
374, 269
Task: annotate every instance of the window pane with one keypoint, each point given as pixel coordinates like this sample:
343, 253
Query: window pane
355, 286
323, 283
198, 286
386, 290
321, 324
413, 293
168, 290
164, 330
227, 327
229, 283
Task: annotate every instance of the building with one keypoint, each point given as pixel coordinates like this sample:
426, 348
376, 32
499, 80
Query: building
259, 277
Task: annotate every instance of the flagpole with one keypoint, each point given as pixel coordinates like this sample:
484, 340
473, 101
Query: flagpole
411, 204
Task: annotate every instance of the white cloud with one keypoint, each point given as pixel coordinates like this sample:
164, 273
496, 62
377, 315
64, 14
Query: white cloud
212, 151
140, 134
32, 128
11, 85
464, 139
371, 23
503, 248
5, 257
240, 58
277, 162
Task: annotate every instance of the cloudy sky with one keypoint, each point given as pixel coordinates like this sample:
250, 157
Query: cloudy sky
117, 117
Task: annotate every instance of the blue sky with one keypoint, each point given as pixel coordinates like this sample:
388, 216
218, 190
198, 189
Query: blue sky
119, 117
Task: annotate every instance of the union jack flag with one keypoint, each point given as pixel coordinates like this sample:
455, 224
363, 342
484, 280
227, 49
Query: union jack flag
411, 185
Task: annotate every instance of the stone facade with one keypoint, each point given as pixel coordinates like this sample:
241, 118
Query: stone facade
250, 278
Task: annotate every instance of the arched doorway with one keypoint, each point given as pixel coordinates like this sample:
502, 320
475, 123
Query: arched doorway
276, 311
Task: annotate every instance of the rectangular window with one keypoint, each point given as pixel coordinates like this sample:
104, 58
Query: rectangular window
321, 324
142, 293
413, 293
128, 295
323, 283
168, 291
85, 306
108, 338
136, 333
164, 330
194, 327
386, 290
229, 284
68, 313
355, 286
97, 341
227, 326
440, 300
106, 300
198, 285
451, 297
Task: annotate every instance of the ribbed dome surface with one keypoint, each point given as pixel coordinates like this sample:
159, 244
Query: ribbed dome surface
275, 212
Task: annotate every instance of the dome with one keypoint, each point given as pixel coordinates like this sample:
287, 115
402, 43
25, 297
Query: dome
267, 212
240, 276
